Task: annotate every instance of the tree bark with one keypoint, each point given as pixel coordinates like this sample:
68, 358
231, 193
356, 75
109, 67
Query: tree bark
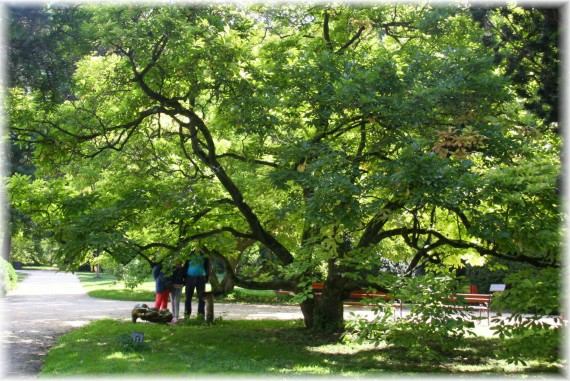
325, 311
329, 310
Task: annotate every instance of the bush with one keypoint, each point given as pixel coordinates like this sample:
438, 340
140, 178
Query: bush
534, 295
132, 274
241, 295
9, 278
432, 330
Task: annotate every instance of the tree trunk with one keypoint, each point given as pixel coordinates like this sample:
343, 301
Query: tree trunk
209, 307
308, 310
226, 285
324, 312
7, 245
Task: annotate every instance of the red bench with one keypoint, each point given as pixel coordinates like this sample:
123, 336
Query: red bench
478, 302
356, 298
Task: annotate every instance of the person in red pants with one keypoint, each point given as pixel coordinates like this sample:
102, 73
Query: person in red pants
162, 292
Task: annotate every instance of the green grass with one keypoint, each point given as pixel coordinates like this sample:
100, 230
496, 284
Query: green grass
32, 267
108, 287
259, 348
255, 348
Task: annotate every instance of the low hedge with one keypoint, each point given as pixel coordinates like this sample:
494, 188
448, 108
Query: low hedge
8, 276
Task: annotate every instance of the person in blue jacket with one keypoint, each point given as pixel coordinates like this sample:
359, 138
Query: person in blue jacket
196, 270
161, 289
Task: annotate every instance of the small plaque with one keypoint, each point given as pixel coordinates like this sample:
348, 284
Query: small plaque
497, 287
138, 337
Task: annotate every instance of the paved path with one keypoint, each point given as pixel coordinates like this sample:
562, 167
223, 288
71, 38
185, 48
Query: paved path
48, 304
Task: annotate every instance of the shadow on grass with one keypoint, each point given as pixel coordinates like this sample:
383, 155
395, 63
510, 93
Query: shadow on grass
257, 348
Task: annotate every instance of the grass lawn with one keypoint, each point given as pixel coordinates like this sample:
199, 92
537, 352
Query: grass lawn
242, 348
108, 287
254, 348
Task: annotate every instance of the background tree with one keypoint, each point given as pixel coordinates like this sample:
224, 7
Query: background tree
526, 41
45, 44
342, 139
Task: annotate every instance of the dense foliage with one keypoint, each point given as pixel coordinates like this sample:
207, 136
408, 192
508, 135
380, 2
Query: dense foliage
430, 332
349, 142
526, 335
8, 277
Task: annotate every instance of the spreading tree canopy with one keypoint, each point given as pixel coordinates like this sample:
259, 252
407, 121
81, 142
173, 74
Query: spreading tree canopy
350, 142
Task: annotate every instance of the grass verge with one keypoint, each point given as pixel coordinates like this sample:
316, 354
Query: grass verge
108, 287
250, 348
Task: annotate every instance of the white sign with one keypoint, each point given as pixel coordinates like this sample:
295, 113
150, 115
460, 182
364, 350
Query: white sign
497, 287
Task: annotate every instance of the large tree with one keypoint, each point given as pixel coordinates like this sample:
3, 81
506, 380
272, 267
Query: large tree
343, 139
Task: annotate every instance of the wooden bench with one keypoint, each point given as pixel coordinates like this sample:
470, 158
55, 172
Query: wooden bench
356, 298
478, 302
359, 298
481, 302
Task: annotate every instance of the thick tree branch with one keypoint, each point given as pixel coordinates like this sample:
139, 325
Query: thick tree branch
460, 244
420, 254
278, 284
326, 32
247, 160
157, 245
206, 152
209, 158
351, 41
464, 220
372, 233
213, 232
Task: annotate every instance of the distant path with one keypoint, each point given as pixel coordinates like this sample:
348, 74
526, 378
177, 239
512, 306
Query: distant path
48, 304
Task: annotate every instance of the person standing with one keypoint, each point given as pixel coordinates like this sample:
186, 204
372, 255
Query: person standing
178, 281
162, 292
197, 271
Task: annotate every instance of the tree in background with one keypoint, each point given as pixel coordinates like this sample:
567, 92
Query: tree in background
343, 139
45, 43
526, 41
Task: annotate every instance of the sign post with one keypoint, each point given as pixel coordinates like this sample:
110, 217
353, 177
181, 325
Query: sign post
138, 337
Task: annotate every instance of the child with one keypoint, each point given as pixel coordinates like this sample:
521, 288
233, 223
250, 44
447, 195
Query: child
178, 279
162, 291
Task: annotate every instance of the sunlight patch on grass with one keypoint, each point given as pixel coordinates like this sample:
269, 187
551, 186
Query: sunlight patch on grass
122, 356
108, 287
498, 366
345, 349
312, 369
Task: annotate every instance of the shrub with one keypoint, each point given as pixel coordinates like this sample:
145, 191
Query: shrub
257, 296
432, 329
8, 277
132, 274
534, 295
